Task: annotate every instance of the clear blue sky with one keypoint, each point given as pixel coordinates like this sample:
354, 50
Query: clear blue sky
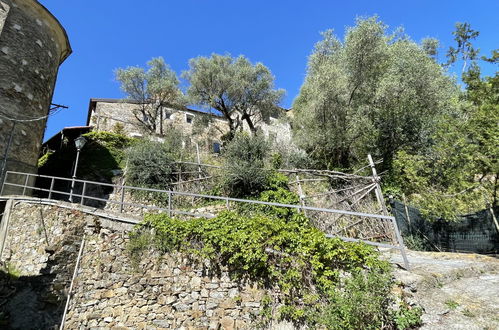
108, 34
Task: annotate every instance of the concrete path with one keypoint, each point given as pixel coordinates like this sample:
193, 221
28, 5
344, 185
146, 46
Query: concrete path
456, 290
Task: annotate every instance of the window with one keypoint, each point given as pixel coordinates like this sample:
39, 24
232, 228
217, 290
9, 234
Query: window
189, 118
216, 147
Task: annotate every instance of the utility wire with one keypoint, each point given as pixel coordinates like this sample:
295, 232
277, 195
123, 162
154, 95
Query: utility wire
52, 111
32, 119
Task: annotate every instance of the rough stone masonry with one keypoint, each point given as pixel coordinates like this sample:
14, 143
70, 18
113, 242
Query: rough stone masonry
32, 46
168, 291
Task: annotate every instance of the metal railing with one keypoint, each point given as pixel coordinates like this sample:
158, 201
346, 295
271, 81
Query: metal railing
24, 183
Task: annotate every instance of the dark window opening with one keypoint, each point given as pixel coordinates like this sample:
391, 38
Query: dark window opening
216, 147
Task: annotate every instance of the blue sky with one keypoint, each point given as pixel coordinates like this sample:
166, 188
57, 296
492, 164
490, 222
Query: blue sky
108, 34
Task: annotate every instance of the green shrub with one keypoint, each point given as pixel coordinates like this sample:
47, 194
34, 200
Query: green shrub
244, 169
407, 317
286, 253
361, 303
103, 152
277, 192
107, 149
150, 164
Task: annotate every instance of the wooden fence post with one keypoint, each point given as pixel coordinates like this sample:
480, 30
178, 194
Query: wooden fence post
302, 194
199, 161
379, 196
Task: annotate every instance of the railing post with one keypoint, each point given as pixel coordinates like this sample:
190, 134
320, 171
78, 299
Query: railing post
51, 187
4, 180
71, 191
83, 192
199, 161
227, 204
400, 241
170, 204
122, 199
25, 184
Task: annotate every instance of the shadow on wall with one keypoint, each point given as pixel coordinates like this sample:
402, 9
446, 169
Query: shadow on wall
37, 266
30, 302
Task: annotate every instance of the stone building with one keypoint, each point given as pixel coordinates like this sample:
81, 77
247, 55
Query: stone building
33, 44
199, 127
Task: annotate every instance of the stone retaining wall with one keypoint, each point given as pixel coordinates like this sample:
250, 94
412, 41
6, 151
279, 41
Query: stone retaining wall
167, 291
38, 259
154, 292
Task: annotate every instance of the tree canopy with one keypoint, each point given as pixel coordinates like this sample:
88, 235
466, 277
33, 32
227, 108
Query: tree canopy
240, 91
151, 90
373, 92
459, 173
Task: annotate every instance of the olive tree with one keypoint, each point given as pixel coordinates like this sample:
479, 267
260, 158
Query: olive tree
373, 92
150, 90
240, 91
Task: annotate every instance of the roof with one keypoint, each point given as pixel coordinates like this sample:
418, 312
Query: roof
58, 135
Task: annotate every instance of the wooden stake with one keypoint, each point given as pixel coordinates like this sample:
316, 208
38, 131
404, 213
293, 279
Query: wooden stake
302, 195
381, 201
494, 218
199, 161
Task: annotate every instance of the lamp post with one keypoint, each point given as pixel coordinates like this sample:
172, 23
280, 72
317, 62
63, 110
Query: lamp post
79, 143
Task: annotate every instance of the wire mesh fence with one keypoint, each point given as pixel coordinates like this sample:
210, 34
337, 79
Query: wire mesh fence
477, 232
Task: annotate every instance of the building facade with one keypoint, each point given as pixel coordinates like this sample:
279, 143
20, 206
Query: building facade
32, 46
196, 127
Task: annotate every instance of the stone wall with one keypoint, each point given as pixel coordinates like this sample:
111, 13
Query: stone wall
107, 115
32, 45
111, 291
167, 291
4, 10
40, 251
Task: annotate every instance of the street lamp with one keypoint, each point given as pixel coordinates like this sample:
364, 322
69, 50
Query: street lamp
79, 143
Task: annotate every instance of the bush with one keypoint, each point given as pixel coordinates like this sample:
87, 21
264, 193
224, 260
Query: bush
277, 192
287, 254
408, 317
361, 303
113, 143
103, 153
150, 165
244, 170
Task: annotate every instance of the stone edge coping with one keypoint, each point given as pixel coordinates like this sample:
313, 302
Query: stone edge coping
113, 217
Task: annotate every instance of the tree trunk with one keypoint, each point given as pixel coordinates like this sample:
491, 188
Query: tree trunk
252, 127
160, 121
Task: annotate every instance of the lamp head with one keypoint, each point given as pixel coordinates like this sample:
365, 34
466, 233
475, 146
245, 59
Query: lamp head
80, 142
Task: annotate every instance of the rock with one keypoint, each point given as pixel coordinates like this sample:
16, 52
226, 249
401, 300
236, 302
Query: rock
108, 294
181, 307
228, 303
136, 288
227, 323
204, 293
216, 294
196, 282
161, 323
93, 316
